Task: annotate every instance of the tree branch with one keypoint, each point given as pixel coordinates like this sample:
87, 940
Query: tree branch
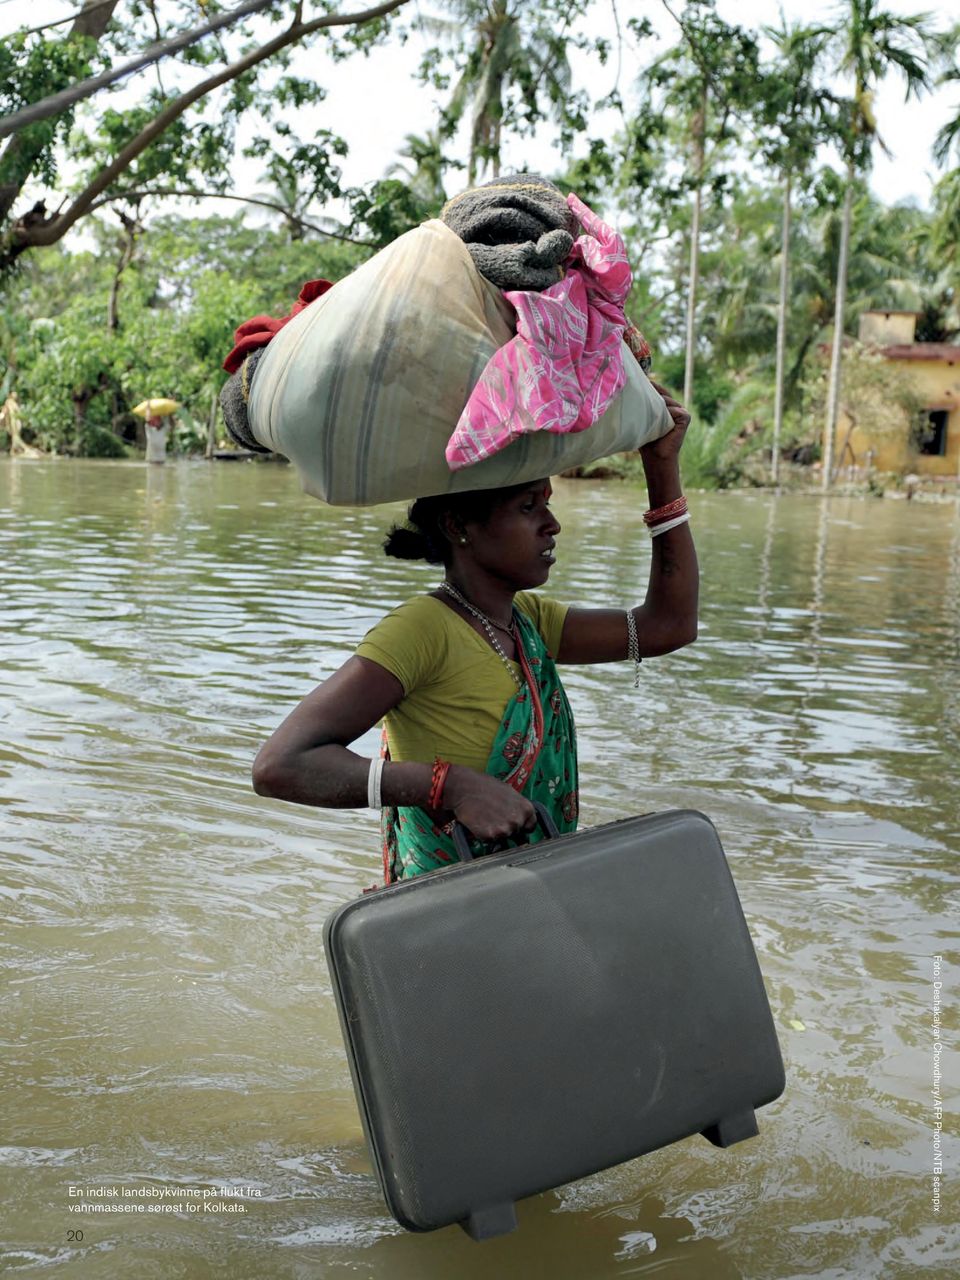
616, 23
22, 150
71, 17
51, 230
654, 304
58, 102
146, 192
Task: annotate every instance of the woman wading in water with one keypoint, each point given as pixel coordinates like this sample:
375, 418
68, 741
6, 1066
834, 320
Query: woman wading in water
464, 677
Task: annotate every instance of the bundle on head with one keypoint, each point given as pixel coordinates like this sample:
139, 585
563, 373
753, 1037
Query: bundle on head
518, 230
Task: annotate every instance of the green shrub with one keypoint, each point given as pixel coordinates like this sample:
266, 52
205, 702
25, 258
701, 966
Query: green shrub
710, 389
725, 452
99, 442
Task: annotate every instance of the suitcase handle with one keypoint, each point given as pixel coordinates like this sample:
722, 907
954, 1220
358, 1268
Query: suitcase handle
461, 836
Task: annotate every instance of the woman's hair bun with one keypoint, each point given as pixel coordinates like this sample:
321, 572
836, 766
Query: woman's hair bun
422, 537
406, 543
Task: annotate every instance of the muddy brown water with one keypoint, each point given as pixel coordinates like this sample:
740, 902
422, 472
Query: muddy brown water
166, 1019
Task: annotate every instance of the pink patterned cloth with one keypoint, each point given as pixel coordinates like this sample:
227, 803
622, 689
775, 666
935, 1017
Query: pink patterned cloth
565, 365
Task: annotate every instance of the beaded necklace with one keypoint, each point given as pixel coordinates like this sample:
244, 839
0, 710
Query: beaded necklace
488, 625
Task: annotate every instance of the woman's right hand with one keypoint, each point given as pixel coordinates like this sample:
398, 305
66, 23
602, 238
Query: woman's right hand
488, 808
668, 446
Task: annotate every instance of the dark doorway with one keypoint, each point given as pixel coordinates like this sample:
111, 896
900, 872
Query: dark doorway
932, 432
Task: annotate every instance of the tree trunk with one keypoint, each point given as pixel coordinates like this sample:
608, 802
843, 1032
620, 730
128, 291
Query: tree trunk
128, 244
836, 356
699, 130
212, 427
781, 332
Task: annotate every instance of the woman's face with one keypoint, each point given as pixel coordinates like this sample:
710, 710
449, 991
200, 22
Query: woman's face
515, 543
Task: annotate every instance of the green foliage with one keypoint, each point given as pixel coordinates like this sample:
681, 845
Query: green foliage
872, 42
714, 55
876, 395
711, 388
178, 251
945, 231
193, 282
388, 208
32, 66
793, 111
725, 452
594, 175
98, 442
187, 151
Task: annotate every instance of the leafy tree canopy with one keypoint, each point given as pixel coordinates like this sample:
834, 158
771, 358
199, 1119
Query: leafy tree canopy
180, 133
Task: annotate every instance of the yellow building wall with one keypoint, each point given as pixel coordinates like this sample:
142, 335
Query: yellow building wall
884, 328
938, 383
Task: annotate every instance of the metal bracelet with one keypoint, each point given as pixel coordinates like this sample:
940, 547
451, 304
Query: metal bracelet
633, 647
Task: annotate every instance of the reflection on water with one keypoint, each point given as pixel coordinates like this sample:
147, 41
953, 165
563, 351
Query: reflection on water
166, 1012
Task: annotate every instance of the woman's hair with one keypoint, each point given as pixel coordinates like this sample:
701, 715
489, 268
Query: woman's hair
422, 537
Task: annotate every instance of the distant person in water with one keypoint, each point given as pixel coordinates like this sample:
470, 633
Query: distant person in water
477, 724
157, 431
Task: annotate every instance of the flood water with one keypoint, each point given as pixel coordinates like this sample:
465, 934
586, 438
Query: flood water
166, 1018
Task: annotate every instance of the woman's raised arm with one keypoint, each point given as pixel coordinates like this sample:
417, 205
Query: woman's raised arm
667, 619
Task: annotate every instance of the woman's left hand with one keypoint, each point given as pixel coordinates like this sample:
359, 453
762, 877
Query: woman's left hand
667, 447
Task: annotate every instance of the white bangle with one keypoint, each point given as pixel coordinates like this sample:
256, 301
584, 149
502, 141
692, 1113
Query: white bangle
374, 799
669, 524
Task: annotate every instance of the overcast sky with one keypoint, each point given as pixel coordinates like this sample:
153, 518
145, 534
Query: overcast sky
374, 102
376, 134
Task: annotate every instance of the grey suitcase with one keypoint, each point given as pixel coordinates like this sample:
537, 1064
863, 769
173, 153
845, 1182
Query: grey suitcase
526, 1019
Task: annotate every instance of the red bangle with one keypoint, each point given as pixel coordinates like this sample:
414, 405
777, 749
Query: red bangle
677, 515
656, 514
438, 780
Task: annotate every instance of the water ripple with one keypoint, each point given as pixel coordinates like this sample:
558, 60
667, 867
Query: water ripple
165, 1004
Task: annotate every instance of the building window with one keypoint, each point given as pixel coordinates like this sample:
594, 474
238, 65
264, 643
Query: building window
932, 432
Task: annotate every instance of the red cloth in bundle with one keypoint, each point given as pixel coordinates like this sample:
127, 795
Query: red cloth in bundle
258, 331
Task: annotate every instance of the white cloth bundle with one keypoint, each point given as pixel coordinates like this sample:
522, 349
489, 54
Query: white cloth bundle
362, 389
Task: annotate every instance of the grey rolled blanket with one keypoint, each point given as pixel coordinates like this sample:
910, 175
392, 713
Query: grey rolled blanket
517, 229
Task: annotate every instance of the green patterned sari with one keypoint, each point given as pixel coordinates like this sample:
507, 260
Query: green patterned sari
534, 751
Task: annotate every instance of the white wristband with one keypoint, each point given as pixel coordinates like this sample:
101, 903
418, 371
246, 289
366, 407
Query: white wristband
669, 524
374, 799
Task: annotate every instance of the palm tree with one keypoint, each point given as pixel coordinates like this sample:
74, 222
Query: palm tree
286, 194
945, 229
949, 135
424, 171
873, 41
740, 302
797, 111
517, 56
710, 76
